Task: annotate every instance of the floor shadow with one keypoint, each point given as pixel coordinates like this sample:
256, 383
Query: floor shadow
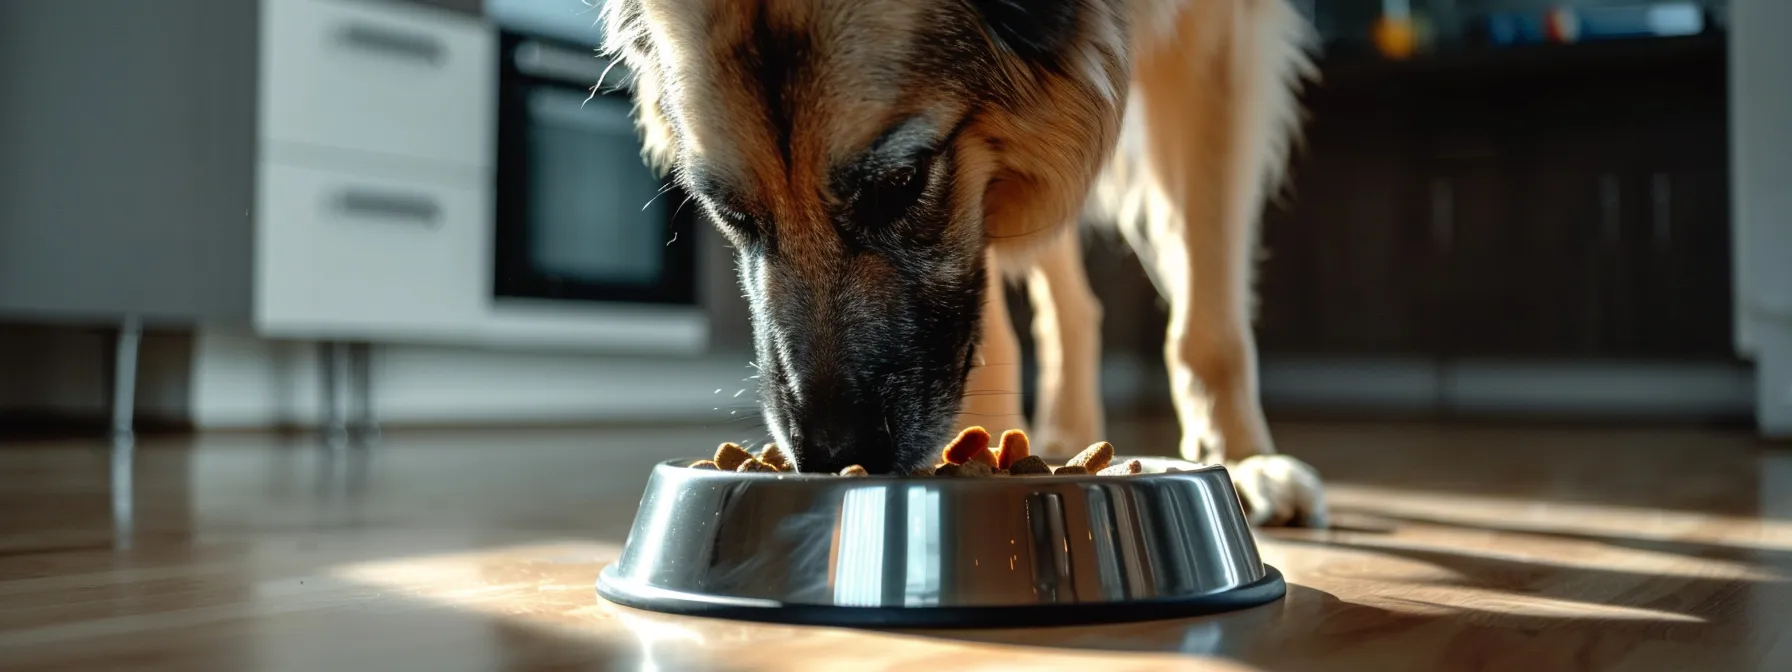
1312, 629
1371, 519
1683, 469
1529, 601
1711, 601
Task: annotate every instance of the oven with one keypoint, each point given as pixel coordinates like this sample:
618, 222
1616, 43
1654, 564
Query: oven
581, 221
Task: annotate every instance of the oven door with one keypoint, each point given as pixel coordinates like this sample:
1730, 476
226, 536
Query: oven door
580, 216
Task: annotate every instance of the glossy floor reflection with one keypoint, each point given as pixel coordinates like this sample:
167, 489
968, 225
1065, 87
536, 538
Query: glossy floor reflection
1459, 548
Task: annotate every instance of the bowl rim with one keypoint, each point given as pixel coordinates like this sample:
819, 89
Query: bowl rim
681, 465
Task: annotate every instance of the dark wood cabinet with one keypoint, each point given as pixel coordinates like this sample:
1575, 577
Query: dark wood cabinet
1564, 202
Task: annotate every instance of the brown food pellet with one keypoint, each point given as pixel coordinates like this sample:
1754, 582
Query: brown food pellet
1094, 458
1029, 466
985, 457
729, 456
966, 446
1014, 446
773, 455
975, 470
756, 465
1122, 469
969, 455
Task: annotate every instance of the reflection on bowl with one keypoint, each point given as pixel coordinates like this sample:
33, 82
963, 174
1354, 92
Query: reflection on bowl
940, 552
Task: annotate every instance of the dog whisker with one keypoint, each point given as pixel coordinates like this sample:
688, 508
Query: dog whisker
657, 195
680, 208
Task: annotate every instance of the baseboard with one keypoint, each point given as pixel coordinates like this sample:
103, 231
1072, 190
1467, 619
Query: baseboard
1720, 392
27, 425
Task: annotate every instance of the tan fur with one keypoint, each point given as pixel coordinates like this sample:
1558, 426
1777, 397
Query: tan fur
1212, 118
1170, 118
1067, 340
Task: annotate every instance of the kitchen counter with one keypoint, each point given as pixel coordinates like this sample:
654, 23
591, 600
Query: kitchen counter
1461, 547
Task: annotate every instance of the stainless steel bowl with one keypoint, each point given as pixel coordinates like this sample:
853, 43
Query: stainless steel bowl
940, 552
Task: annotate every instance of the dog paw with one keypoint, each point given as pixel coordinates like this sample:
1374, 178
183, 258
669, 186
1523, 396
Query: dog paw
1279, 490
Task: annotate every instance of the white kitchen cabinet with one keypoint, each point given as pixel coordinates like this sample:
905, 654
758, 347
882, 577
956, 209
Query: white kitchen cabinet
314, 168
341, 253
377, 78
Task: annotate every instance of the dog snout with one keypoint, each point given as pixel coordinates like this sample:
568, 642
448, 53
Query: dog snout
832, 427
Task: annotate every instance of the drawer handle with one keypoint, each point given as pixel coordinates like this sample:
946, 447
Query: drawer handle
1662, 187
1443, 215
421, 210
400, 44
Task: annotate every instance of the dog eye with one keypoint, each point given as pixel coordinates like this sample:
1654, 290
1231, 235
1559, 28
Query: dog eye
888, 194
901, 176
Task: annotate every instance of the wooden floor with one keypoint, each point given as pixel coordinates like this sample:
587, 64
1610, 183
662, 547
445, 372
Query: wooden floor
1461, 548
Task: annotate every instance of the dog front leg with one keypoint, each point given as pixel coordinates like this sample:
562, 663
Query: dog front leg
1067, 342
992, 395
1219, 110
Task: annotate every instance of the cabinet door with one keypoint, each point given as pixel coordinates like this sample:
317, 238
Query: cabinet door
1682, 224
1345, 261
1530, 257
1285, 298
343, 254
1684, 271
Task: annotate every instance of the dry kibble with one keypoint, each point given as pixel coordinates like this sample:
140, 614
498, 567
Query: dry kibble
1094, 458
975, 470
1122, 469
773, 455
966, 446
985, 457
1029, 466
969, 455
1014, 447
756, 465
729, 456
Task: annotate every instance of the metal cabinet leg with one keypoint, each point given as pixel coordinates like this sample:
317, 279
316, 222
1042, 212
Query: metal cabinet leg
124, 407
124, 379
333, 381
366, 424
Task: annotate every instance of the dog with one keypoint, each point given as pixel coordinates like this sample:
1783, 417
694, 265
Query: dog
884, 169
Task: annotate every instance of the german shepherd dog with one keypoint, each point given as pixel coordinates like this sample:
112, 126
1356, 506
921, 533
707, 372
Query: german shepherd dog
882, 169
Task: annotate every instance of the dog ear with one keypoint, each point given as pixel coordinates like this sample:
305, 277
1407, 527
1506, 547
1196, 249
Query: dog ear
1033, 29
656, 131
625, 39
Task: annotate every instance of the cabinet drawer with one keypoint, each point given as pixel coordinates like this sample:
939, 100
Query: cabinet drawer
375, 77
340, 254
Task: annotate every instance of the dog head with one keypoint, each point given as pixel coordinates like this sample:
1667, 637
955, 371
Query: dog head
862, 157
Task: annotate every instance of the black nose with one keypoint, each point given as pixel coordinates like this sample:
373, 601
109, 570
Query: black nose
834, 427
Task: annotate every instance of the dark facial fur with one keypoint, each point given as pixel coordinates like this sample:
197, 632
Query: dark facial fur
848, 150
857, 321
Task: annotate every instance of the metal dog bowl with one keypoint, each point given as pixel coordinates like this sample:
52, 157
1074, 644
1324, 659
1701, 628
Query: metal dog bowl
886, 551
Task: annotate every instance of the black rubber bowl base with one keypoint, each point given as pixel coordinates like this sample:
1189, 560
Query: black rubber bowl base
1262, 591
